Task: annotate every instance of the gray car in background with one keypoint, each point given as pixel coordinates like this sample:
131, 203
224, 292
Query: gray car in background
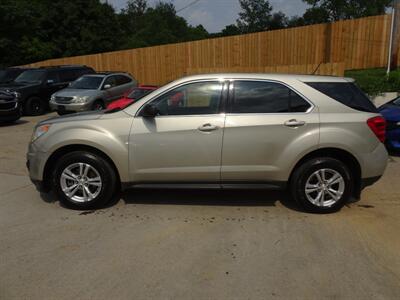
92, 92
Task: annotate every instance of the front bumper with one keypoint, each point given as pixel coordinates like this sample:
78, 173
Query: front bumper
70, 107
10, 114
36, 162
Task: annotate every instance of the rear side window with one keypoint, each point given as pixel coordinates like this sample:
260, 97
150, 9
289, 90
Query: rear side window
346, 93
121, 79
266, 97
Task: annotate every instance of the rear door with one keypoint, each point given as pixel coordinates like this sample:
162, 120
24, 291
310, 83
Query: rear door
267, 123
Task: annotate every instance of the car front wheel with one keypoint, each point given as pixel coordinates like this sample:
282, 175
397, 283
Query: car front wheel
84, 180
322, 185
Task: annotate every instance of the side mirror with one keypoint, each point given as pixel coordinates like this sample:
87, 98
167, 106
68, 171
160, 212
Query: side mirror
106, 86
150, 111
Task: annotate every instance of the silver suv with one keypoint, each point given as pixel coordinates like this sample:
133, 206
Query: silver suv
92, 92
318, 136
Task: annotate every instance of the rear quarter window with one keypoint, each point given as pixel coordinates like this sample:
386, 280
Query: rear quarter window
346, 93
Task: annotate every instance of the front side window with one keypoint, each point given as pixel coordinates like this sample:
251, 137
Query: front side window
112, 81
191, 99
266, 97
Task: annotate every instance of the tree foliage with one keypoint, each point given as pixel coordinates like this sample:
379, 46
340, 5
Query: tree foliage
333, 10
34, 30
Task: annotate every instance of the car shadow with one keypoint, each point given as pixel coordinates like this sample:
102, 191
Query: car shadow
204, 197
208, 197
15, 123
394, 153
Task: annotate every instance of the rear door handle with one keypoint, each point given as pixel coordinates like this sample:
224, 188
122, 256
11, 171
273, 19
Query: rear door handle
208, 127
294, 123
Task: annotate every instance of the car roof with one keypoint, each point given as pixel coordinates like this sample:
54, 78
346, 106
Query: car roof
266, 76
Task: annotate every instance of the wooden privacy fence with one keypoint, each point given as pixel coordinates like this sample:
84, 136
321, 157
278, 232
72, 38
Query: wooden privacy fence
334, 47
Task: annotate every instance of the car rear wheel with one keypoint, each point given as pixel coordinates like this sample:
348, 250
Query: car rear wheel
34, 106
98, 105
84, 180
322, 185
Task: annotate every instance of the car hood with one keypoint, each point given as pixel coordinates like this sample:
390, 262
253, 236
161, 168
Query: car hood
83, 116
68, 92
15, 86
390, 112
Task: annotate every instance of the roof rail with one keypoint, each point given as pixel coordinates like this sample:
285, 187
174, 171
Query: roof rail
62, 66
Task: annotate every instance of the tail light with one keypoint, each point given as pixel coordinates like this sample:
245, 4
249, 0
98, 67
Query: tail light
378, 127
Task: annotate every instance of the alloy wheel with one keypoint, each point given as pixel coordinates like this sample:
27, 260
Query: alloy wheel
81, 182
325, 187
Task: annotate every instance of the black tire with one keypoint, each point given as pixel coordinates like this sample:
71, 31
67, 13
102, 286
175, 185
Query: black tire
63, 113
305, 172
98, 105
34, 106
106, 172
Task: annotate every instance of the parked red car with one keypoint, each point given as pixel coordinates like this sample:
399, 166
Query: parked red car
132, 96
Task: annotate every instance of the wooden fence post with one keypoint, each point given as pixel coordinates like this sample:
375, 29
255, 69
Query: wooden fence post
395, 47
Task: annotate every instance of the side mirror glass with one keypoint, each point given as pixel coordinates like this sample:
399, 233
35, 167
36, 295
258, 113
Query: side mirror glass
107, 86
150, 111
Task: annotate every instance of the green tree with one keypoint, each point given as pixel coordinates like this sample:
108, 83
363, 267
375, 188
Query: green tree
161, 25
230, 30
254, 16
333, 10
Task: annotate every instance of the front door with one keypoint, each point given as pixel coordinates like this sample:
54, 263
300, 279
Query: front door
183, 142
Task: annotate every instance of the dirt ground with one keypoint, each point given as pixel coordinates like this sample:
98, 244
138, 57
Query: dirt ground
157, 244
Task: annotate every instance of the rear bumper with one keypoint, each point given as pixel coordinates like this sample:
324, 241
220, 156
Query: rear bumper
369, 181
374, 164
393, 139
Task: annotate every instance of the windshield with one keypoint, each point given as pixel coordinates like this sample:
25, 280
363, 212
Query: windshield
138, 93
31, 76
87, 83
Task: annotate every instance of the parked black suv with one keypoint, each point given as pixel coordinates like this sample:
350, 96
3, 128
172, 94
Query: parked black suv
10, 110
9, 74
35, 87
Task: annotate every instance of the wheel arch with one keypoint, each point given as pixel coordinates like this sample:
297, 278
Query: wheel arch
346, 157
52, 160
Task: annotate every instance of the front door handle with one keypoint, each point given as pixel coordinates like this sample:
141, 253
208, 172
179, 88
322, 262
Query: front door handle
208, 127
294, 123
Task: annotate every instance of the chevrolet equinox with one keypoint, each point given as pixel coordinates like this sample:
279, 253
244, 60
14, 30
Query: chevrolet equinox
318, 136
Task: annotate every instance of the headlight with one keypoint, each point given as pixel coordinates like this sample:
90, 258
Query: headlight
39, 131
17, 95
53, 98
81, 99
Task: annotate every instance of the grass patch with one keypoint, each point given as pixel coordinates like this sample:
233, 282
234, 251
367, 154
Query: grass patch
375, 81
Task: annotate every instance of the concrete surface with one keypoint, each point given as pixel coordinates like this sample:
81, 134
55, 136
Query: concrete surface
384, 98
193, 245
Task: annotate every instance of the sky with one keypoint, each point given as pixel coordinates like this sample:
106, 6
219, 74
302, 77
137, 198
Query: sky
214, 15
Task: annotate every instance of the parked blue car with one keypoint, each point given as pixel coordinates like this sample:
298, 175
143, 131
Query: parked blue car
391, 112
